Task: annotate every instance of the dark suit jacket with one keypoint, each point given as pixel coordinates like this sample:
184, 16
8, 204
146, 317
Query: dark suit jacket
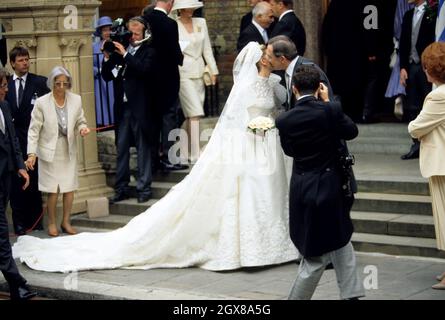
318, 212
35, 86
11, 158
168, 57
245, 21
324, 79
291, 27
250, 33
135, 79
427, 35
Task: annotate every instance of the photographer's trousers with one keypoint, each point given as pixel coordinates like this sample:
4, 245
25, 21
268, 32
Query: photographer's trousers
311, 270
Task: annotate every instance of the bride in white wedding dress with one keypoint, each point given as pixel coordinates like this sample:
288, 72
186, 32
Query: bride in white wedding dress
231, 211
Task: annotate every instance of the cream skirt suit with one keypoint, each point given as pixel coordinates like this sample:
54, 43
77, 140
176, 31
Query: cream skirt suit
197, 52
429, 128
57, 153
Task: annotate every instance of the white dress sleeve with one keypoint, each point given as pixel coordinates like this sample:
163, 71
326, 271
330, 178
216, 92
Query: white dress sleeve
280, 92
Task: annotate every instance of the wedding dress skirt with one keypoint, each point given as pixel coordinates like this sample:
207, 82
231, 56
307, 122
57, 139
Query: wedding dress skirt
224, 215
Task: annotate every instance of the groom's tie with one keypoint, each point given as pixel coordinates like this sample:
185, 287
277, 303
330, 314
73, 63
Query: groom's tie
288, 90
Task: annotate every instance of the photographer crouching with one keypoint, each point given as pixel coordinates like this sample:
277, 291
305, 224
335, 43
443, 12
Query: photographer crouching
319, 209
129, 62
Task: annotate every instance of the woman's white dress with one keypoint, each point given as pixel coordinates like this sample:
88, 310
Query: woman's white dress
224, 215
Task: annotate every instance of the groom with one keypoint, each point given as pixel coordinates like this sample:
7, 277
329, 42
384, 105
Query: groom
283, 56
319, 212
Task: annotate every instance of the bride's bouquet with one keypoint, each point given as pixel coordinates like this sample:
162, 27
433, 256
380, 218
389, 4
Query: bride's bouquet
261, 125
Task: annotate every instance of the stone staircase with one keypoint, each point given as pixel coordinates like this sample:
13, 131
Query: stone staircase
392, 213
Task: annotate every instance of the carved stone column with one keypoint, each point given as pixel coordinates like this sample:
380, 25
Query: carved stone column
58, 32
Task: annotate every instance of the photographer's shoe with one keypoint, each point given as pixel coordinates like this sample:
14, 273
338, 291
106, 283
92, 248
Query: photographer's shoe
22, 293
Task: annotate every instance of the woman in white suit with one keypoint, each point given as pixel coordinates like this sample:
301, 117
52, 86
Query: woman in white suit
197, 50
52, 137
429, 128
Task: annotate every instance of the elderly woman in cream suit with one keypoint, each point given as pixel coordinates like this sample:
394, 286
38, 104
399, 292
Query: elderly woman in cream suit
429, 128
198, 55
56, 120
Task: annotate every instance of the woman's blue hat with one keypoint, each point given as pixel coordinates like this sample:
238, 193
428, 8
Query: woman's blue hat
102, 22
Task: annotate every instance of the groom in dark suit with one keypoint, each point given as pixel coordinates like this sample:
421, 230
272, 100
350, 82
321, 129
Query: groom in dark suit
131, 70
166, 87
283, 56
11, 163
319, 211
258, 29
24, 88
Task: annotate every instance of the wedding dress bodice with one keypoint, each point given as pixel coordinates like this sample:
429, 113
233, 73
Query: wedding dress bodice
269, 96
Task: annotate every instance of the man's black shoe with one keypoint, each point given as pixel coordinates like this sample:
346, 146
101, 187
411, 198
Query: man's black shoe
22, 293
118, 197
412, 154
144, 198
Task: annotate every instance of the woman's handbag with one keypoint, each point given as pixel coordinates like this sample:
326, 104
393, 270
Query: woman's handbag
207, 76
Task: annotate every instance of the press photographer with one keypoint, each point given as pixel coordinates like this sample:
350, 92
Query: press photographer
130, 67
319, 208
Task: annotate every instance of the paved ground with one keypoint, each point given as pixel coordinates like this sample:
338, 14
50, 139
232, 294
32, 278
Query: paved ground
389, 278
396, 278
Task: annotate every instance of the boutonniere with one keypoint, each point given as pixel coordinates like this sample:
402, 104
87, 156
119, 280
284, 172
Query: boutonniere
431, 9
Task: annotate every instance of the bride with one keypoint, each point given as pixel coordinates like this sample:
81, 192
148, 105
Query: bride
231, 211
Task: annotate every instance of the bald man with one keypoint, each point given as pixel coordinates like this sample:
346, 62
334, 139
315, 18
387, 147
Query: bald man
257, 29
248, 17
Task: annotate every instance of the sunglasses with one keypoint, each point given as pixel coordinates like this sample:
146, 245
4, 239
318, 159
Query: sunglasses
64, 84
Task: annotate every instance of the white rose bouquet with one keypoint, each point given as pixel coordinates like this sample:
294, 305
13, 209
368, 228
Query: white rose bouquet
261, 125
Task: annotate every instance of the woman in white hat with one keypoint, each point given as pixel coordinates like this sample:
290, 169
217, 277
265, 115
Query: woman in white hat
195, 45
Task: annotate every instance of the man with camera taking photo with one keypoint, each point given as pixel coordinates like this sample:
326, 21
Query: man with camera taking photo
319, 209
130, 68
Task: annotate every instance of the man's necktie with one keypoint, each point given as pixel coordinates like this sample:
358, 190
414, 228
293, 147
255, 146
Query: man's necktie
289, 89
20, 97
265, 36
2, 123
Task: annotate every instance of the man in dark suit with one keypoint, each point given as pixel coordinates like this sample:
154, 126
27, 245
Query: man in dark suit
11, 161
319, 212
283, 56
248, 17
288, 24
257, 29
166, 87
24, 89
378, 46
418, 32
131, 70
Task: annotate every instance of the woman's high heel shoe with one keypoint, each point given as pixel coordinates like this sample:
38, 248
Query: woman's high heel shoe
53, 232
70, 232
441, 277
